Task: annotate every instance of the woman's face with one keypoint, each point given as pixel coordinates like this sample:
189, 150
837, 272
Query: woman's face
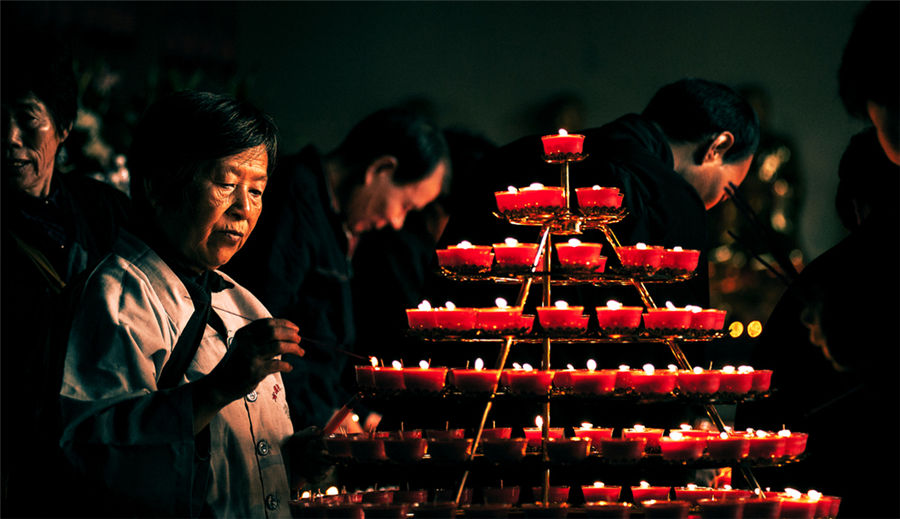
30, 143
222, 211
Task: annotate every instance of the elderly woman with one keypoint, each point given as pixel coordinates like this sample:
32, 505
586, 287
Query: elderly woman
172, 398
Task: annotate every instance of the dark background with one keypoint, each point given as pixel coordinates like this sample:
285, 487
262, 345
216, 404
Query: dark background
318, 67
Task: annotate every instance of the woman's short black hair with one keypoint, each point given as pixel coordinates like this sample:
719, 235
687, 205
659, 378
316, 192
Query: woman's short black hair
43, 69
183, 135
416, 142
694, 110
869, 68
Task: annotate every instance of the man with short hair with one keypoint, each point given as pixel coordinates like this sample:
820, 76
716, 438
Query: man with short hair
317, 206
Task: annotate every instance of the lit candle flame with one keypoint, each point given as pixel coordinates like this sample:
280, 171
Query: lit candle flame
591, 364
305, 495
685, 427
570, 367
423, 364
784, 433
596, 187
612, 304
563, 132
527, 367
424, 305
535, 185
332, 491
517, 366
649, 369
677, 248
501, 303
675, 435
698, 370
624, 367
354, 417
479, 364
641, 246
670, 306
745, 369
374, 362
638, 428
396, 364
587, 425
692, 486
574, 242
672, 368
761, 434
512, 242
538, 421
449, 305
598, 484
465, 244
793, 493
814, 495
644, 484
512, 189
728, 369
723, 435
693, 309
561, 304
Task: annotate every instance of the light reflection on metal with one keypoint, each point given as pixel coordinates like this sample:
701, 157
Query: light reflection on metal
736, 329
754, 328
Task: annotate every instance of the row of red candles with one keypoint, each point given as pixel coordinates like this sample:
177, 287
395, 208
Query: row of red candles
602, 381
537, 196
574, 254
727, 501
620, 319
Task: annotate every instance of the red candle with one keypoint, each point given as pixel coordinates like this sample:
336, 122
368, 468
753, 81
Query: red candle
594, 382
667, 320
496, 433
424, 379
406, 449
338, 445
504, 449
449, 449
724, 447
708, 320
536, 382
623, 378
718, 508
693, 493
596, 197
762, 380
514, 255
698, 381
766, 446
388, 378
622, 448
367, 449
640, 257
666, 509
614, 319
534, 435
600, 492
650, 434
365, 378
562, 318
466, 256
595, 434
568, 450
507, 200
679, 260
677, 447
503, 495
500, 320
454, 320
378, 497
442, 434
646, 492
651, 381
539, 197
732, 494
411, 496
563, 379
474, 380
795, 443
735, 381
608, 510
576, 255
420, 318
797, 506
769, 508
562, 143
556, 494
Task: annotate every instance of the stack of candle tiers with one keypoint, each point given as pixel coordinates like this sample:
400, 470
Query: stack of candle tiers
514, 257
562, 319
598, 201
640, 260
466, 258
535, 202
577, 257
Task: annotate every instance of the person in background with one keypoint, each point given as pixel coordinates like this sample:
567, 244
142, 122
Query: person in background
54, 226
318, 207
172, 400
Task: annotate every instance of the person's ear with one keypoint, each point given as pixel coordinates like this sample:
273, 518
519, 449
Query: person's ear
385, 164
716, 149
64, 134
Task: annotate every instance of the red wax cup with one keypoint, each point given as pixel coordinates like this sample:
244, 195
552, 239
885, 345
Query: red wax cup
498, 320
694, 494
665, 509
595, 434
597, 382
708, 319
625, 319
504, 449
769, 508
737, 383
568, 450
456, 320
496, 433
406, 449
420, 319
541, 197
367, 449
680, 260
411, 496
607, 510
562, 144
427, 379
762, 380
731, 448
795, 444
378, 497
444, 434
519, 256
632, 256
594, 494
835, 506
706, 382
622, 448
732, 494
699, 434
504, 495
797, 508
474, 380
536, 382
571, 318
767, 447
686, 449
667, 319
652, 435
534, 435
556, 494
592, 197
585, 256
641, 494
365, 378
507, 200
717, 509
623, 379
563, 379
658, 382
388, 378
477, 257
449, 449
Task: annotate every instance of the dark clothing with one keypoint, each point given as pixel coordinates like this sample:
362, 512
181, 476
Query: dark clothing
296, 263
69, 231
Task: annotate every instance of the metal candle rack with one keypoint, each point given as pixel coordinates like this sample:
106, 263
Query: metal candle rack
567, 222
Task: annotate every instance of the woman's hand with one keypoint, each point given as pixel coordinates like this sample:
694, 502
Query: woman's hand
253, 355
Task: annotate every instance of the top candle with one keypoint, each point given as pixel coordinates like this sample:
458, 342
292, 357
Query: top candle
562, 143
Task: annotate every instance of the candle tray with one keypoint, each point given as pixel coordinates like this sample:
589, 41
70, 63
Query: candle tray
610, 276
561, 158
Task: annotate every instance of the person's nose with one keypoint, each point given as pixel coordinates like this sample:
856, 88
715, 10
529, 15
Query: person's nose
241, 203
12, 134
397, 220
